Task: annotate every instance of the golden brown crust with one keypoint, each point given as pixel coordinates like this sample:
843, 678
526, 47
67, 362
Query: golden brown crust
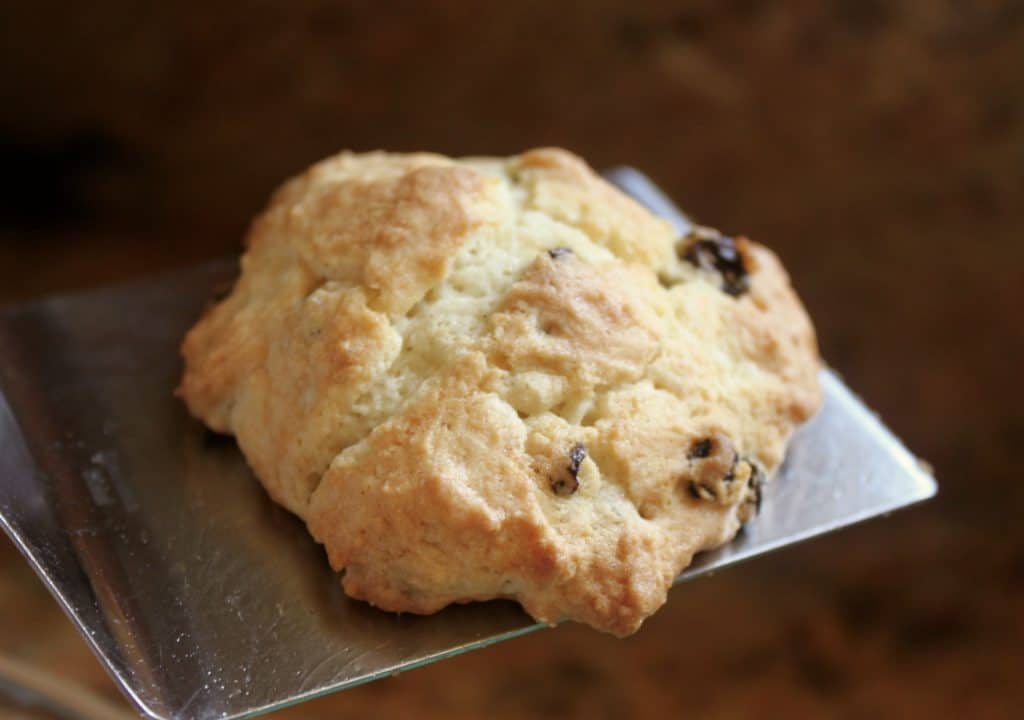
580, 321
501, 378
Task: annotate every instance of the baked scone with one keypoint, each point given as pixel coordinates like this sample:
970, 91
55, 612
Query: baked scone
490, 377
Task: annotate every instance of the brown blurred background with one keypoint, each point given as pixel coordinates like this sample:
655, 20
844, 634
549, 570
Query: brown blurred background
877, 146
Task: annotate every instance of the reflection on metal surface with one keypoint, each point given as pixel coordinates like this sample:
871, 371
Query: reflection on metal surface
202, 597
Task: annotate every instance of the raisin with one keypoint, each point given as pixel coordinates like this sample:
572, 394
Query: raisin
718, 474
701, 449
711, 251
712, 462
565, 486
559, 252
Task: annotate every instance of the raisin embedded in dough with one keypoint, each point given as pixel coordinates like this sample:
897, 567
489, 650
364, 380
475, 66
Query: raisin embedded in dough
568, 483
712, 251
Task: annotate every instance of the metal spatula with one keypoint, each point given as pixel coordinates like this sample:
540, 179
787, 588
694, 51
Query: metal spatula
205, 600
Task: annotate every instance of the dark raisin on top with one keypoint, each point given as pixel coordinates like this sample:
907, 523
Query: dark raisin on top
746, 495
713, 252
559, 252
566, 486
700, 449
712, 461
718, 473
716, 457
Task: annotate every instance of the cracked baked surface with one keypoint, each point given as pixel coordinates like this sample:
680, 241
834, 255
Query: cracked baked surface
489, 377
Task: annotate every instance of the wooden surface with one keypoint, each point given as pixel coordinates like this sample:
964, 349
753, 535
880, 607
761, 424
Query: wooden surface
878, 147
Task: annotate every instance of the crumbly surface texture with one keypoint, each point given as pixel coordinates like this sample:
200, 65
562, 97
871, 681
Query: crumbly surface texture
489, 378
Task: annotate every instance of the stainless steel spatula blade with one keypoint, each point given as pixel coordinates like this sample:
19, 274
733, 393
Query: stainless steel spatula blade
205, 600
